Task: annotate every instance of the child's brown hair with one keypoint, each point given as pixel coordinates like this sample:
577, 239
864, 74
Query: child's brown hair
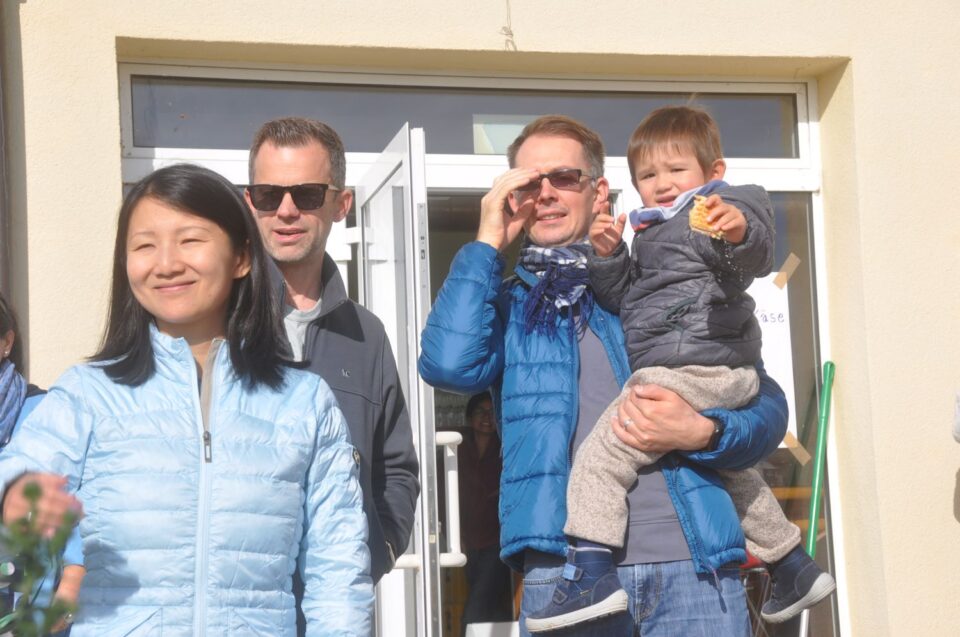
677, 126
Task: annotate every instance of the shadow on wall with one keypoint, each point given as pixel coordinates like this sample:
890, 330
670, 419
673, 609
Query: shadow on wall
13, 169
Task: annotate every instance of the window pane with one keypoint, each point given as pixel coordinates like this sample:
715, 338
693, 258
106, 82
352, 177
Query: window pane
793, 236
209, 113
784, 471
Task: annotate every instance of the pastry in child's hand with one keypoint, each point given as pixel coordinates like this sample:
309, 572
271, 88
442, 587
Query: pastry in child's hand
698, 218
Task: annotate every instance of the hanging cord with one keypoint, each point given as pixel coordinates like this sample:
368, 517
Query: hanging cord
508, 44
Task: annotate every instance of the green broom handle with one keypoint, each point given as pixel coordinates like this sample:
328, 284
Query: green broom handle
823, 420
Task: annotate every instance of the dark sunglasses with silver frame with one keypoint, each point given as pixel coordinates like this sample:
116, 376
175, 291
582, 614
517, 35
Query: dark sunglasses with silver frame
267, 197
563, 179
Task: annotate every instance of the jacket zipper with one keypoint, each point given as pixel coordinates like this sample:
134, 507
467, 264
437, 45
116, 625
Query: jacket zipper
205, 400
575, 412
206, 395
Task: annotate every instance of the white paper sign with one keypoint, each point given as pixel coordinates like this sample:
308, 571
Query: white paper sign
773, 314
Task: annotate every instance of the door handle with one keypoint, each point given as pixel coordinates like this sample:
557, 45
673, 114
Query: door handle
453, 557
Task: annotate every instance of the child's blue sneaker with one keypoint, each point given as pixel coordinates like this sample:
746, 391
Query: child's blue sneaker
589, 590
798, 584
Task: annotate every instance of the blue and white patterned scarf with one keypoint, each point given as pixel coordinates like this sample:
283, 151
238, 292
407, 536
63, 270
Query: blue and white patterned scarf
563, 286
13, 391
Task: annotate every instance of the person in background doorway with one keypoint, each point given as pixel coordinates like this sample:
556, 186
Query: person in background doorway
488, 578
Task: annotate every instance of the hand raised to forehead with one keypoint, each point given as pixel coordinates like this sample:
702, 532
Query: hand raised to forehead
499, 227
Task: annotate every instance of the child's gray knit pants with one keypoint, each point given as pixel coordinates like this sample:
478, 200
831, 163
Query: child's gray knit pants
605, 468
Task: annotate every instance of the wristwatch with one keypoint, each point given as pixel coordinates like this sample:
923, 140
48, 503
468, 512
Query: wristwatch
714, 442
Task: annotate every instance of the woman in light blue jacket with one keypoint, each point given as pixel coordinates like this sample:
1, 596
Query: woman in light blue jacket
207, 467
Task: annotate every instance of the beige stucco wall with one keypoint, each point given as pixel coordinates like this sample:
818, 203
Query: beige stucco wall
889, 95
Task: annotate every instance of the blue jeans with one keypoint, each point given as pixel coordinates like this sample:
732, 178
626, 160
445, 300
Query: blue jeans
668, 599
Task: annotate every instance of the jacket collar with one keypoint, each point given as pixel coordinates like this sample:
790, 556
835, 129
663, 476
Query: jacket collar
168, 345
333, 295
175, 348
525, 275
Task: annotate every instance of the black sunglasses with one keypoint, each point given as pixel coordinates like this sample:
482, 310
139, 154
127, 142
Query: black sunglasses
267, 197
566, 179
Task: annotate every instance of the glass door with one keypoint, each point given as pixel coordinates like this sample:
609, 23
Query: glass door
394, 283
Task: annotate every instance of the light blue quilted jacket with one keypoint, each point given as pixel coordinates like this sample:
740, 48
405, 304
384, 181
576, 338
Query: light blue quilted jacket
187, 537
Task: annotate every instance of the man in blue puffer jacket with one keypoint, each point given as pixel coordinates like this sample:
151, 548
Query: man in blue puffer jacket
554, 360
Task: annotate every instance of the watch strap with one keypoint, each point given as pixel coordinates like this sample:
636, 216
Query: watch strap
718, 428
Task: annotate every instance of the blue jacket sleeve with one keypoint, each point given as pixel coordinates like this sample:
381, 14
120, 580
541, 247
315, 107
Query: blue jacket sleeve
334, 560
462, 342
73, 551
28, 406
53, 438
752, 432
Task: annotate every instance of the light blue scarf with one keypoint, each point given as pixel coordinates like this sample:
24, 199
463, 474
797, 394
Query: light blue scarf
643, 218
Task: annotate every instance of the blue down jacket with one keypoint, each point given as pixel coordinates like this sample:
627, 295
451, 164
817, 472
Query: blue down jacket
177, 545
475, 338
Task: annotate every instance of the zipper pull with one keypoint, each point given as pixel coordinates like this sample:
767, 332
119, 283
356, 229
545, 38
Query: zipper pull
207, 447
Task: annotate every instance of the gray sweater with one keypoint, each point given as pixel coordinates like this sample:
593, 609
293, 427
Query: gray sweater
682, 295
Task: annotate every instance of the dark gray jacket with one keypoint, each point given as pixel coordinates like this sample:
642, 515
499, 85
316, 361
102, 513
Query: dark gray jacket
681, 295
347, 346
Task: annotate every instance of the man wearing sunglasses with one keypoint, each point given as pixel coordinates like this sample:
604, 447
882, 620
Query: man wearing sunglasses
554, 359
296, 193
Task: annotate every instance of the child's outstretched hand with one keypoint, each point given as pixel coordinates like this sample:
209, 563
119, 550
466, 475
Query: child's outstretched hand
725, 218
606, 233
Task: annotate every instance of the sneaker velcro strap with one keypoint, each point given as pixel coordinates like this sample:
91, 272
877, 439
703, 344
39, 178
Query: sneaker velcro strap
572, 573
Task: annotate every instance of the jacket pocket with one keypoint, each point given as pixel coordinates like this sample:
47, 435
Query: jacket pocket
127, 621
672, 315
257, 622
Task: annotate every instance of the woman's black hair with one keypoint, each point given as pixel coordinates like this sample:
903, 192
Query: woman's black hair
475, 401
258, 348
8, 322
